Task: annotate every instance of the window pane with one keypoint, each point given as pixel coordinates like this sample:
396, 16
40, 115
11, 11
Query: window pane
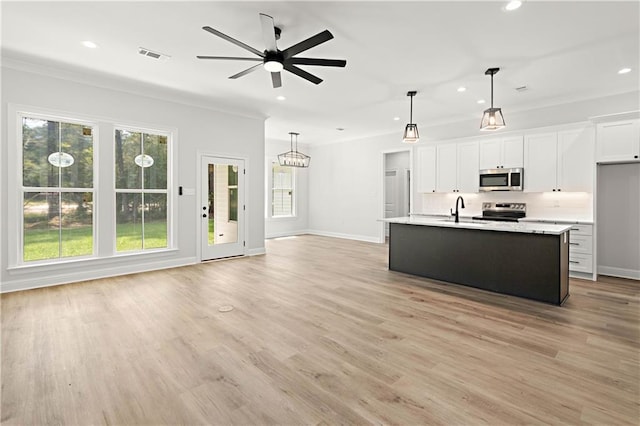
41, 233
128, 221
155, 175
128, 149
77, 141
282, 191
40, 138
155, 221
76, 230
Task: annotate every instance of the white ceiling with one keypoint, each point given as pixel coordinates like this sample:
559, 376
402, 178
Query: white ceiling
562, 51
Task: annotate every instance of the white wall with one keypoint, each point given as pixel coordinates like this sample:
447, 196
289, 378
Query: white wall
199, 130
281, 226
618, 214
345, 183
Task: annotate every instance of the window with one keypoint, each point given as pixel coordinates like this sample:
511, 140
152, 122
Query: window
282, 191
57, 189
141, 166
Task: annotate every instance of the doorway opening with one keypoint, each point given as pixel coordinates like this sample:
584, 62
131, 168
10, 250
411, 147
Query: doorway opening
396, 166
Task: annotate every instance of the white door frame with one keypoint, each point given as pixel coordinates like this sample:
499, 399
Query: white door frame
198, 199
381, 174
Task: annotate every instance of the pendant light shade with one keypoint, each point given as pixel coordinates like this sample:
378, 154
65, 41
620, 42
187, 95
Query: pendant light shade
492, 119
411, 134
293, 158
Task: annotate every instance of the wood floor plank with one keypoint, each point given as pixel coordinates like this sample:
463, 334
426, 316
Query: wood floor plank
321, 333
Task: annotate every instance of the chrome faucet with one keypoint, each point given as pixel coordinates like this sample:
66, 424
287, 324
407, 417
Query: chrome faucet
456, 213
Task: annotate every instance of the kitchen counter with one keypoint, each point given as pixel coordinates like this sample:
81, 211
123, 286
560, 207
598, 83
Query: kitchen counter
565, 220
529, 260
468, 223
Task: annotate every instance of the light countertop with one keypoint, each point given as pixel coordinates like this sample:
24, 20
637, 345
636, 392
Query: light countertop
466, 223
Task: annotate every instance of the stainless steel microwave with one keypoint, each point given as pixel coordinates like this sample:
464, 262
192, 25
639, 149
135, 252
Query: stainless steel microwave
501, 179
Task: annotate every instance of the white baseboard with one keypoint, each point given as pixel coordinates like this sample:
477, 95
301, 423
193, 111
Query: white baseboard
619, 272
92, 274
345, 236
285, 234
256, 251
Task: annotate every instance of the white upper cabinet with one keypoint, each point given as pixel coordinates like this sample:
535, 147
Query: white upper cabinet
457, 167
540, 162
559, 161
501, 153
427, 169
447, 169
468, 177
576, 151
618, 141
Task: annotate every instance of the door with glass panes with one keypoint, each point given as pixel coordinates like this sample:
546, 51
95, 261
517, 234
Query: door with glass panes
222, 207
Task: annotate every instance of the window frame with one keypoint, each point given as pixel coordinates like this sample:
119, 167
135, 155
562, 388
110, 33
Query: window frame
104, 252
18, 254
160, 131
294, 197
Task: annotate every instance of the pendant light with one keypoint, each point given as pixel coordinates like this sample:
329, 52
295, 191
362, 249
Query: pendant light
411, 131
492, 118
294, 158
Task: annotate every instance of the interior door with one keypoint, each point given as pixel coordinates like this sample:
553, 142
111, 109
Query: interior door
222, 207
390, 196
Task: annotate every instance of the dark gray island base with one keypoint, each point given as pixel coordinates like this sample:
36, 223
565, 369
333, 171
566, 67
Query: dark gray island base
530, 265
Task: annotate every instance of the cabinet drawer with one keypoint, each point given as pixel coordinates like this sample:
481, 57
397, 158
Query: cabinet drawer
581, 229
580, 243
581, 263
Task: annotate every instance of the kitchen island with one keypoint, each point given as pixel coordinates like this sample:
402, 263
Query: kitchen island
528, 260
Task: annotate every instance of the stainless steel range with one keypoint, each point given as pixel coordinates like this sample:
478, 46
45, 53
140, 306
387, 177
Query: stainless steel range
505, 212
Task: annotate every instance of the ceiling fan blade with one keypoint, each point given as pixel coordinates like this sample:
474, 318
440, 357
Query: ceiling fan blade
307, 44
320, 62
268, 32
276, 79
234, 41
302, 73
231, 58
247, 71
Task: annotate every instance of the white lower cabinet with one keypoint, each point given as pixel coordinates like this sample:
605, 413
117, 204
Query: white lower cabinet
581, 248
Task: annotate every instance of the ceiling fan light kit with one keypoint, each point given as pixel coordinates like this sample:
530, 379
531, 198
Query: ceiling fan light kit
492, 119
411, 134
275, 60
294, 158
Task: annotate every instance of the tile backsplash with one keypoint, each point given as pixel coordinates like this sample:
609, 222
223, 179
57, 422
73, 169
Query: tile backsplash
545, 205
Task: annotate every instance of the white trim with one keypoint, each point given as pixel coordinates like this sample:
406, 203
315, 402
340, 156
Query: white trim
286, 234
365, 238
256, 251
619, 272
106, 271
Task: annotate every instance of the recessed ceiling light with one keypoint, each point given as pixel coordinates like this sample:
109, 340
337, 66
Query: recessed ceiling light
481, 101
624, 70
89, 44
513, 5
396, 118
281, 98
340, 129
461, 89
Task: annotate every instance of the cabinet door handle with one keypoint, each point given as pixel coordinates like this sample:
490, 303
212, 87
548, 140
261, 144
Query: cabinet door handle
575, 229
559, 189
573, 261
574, 244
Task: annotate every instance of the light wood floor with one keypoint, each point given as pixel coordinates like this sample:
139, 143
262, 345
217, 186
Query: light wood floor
321, 333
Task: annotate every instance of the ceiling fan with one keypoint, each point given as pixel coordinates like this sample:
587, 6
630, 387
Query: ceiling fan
275, 60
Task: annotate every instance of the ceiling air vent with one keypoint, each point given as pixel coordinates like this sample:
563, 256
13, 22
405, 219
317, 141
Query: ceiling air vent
152, 54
